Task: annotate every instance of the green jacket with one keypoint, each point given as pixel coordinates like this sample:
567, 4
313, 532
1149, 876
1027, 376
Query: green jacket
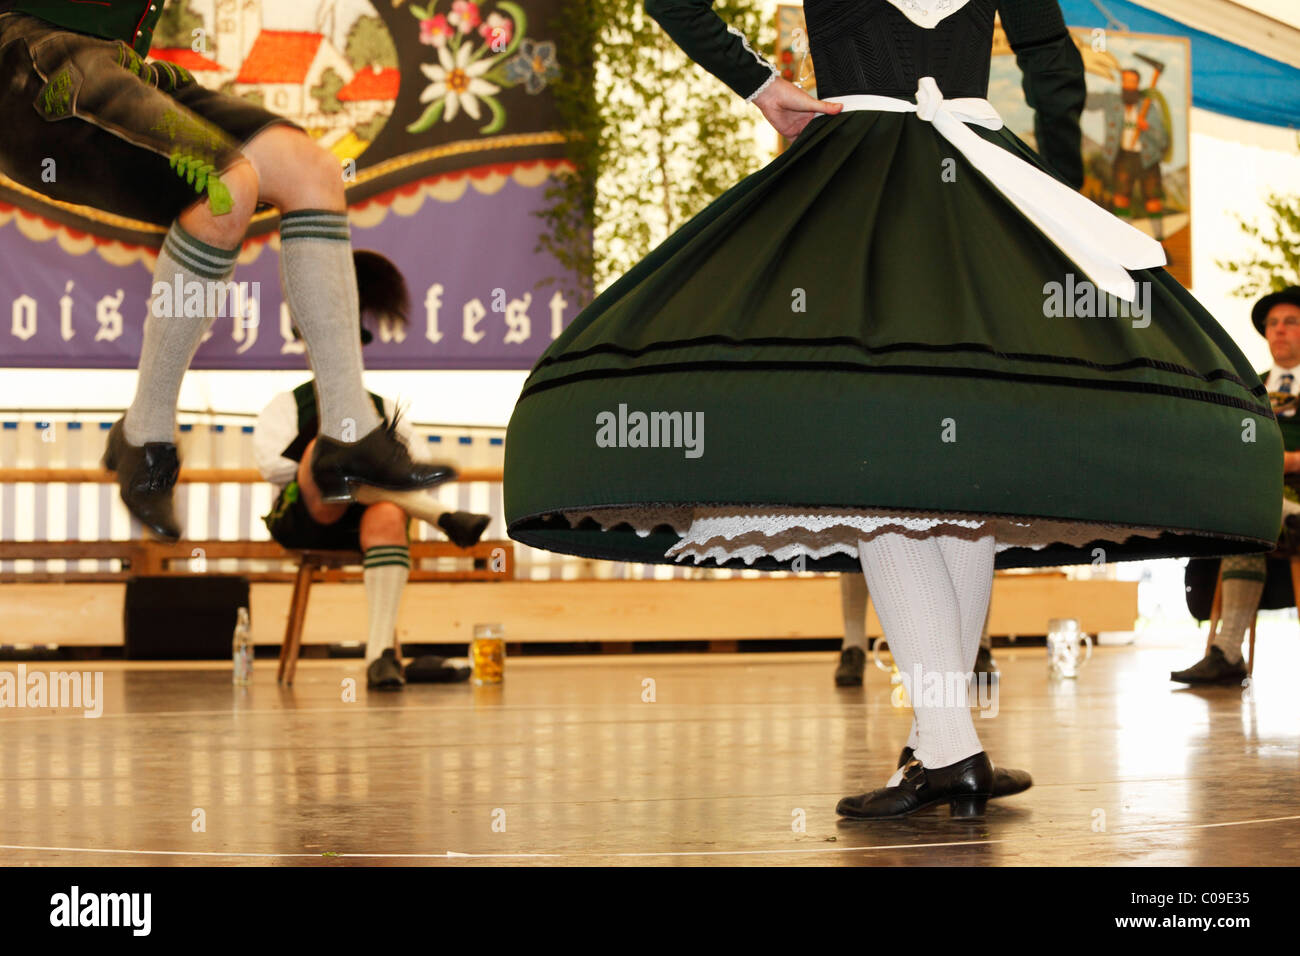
131, 21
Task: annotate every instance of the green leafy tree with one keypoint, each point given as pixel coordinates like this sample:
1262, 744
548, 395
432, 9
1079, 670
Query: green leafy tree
1277, 265
327, 93
369, 44
176, 28
653, 137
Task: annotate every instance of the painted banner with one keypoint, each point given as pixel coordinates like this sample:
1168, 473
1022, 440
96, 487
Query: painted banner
441, 118
1136, 150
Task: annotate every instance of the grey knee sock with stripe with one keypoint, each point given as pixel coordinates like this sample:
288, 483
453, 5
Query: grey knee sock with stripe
320, 285
170, 336
387, 568
1243, 585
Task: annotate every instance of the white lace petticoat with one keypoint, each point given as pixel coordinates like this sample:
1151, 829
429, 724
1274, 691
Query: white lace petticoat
723, 533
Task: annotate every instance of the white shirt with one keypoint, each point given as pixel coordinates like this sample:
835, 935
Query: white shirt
277, 427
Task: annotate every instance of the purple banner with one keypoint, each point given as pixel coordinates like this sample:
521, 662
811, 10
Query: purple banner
446, 185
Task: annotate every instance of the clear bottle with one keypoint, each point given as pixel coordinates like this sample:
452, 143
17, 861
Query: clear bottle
242, 650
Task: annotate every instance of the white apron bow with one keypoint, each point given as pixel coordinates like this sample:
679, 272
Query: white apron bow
1103, 246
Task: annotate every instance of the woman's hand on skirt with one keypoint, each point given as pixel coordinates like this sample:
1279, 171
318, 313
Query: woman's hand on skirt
789, 109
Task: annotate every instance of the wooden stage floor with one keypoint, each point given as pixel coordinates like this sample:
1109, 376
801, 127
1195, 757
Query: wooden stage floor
567, 765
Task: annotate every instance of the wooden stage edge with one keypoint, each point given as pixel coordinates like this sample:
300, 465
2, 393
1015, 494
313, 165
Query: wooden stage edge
90, 614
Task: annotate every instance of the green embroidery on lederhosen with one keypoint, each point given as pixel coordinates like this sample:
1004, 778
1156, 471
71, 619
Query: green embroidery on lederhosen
134, 63
56, 98
170, 76
195, 148
287, 498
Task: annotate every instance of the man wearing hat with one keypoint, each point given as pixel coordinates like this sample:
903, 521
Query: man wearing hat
374, 524
1277, 317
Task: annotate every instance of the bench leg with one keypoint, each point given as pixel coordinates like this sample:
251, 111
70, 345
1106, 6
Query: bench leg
293, 630
302, 621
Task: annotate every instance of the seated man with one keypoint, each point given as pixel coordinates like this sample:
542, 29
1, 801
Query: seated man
284, 437
1277, 317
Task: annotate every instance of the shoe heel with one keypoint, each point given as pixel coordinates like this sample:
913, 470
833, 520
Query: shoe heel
335, 489
969, 807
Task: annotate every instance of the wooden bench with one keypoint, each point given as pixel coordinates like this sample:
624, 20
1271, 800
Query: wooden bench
549, 608
186, 558
490, 560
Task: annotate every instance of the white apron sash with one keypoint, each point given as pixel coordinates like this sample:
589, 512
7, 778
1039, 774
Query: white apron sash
1103, 246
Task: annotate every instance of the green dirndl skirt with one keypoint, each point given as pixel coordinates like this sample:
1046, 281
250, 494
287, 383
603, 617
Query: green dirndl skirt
850, 331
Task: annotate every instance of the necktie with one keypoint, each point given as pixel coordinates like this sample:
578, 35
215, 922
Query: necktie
1286, 385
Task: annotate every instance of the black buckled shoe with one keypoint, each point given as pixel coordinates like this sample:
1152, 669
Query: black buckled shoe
146, 475
463, 528
853, 662
1213, 668
385, 672
1006, 781
380, 459
965, 786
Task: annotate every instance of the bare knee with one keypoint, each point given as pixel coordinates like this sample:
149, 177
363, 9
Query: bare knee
324, 171
295, 172
383, 524
226, 229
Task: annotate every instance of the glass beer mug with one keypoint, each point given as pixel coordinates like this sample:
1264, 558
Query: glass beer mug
897, 692
487, 654
1063, 636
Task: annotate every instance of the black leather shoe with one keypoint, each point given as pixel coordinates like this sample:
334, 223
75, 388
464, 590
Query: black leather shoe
385, 672
1005, 780
1213, 668
965, 786
462, 528
431, 669
984, 662
380, 459
146, 475
853, 661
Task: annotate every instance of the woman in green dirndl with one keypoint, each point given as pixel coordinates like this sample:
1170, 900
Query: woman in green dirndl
905, 346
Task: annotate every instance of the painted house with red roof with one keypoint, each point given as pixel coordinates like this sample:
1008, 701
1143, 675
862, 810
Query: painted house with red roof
284, 66
205, 70
371, 92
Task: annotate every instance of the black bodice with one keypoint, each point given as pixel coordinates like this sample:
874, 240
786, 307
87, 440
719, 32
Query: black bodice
870, 46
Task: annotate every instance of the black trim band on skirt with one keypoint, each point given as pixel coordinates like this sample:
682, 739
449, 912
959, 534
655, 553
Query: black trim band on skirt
849, 341
749, 364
